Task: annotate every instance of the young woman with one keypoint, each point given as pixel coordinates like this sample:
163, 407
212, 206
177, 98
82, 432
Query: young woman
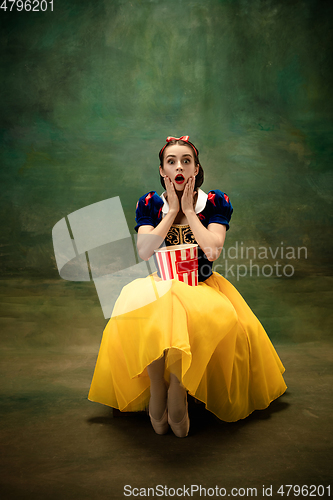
165, 339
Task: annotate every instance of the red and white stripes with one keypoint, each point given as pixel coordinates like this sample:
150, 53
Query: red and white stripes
179, 262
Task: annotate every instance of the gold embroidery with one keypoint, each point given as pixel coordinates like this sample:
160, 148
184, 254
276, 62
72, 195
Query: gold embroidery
179, 234
173, 236
188, 236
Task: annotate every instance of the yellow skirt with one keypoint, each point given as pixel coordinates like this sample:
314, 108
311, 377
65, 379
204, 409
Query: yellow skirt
210, 338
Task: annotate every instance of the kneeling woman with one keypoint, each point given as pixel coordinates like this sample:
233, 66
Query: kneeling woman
166, 338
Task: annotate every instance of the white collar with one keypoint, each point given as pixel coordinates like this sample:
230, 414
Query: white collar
199, 206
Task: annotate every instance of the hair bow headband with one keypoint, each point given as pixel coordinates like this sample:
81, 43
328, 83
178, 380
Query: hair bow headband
184, 138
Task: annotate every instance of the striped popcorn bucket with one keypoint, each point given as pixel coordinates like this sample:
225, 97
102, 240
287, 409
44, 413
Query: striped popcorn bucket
179, 262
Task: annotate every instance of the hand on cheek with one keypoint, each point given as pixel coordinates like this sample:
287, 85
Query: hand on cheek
172, 196
188, 195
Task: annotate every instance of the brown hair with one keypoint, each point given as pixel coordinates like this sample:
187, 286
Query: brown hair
200, 175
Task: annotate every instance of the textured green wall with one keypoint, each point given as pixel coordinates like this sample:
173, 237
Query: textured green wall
90, 91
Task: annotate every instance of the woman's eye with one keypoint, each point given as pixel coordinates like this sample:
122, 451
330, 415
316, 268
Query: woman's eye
171, 162
186, 161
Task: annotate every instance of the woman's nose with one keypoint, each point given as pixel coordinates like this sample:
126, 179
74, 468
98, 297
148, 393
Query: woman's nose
179, 165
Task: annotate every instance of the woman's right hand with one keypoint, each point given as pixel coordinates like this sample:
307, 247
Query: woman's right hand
172, 195
149, 237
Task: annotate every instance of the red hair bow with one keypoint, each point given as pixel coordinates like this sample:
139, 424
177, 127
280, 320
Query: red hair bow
184, 138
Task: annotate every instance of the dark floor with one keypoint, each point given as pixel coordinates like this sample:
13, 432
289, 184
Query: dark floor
55, 444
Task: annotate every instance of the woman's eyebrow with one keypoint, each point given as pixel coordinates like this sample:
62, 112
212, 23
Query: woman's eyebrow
174, 156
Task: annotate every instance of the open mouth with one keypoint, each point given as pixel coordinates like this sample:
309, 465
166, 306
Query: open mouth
179, 179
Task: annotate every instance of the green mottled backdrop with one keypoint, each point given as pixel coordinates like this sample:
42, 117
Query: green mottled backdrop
90, 91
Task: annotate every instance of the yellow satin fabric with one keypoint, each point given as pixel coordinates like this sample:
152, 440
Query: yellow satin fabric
227, 359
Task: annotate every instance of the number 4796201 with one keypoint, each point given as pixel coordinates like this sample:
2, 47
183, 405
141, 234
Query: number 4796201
304, 491
27, 5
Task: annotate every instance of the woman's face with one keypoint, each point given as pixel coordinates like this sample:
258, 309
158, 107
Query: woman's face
178, 165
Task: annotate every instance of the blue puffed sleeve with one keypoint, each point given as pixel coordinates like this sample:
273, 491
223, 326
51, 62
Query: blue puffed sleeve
219, 208
148, 210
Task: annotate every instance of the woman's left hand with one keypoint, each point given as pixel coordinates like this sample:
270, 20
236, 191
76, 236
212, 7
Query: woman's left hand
187, 199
